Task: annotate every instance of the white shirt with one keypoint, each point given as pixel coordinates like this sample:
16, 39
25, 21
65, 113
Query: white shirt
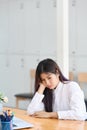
68, 102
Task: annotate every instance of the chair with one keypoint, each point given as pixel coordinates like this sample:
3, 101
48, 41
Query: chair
82, 77
82, 80
25, 96
71, 75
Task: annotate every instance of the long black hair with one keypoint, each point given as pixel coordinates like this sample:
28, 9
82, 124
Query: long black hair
48, 66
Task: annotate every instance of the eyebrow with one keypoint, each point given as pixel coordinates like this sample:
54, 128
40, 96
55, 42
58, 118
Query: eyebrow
48, 74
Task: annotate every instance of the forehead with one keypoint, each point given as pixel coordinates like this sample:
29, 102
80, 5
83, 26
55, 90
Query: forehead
44, 75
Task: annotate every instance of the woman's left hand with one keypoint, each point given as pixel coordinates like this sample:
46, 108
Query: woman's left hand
43, 114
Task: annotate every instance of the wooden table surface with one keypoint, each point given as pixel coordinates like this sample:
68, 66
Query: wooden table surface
49, 124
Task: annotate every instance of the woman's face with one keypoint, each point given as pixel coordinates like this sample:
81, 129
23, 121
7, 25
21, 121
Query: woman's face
49, 80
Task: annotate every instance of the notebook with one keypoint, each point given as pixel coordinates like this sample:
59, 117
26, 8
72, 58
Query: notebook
19, 124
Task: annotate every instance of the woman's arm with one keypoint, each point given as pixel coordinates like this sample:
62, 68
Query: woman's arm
76, 109
36, 103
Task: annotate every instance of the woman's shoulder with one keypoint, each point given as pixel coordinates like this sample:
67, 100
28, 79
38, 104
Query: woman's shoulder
73, 85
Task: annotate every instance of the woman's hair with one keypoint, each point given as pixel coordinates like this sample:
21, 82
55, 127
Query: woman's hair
48, 66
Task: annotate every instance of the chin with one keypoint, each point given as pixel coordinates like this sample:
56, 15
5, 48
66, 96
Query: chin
51, 87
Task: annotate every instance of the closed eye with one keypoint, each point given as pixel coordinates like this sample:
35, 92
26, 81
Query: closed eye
49, 77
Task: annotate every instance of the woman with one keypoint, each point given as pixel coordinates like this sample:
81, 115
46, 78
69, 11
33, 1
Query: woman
56, 96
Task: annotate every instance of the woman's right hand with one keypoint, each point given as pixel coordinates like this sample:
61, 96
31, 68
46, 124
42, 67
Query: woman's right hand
41, 88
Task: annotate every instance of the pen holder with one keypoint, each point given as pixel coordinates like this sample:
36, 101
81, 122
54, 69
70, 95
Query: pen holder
6, 125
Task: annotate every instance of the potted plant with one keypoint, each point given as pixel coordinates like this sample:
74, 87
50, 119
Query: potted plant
2, 99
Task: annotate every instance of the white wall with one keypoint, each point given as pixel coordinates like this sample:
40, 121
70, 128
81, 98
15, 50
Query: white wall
27, 35
78, 38
78, 35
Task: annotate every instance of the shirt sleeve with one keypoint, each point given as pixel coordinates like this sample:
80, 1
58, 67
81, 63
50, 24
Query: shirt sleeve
36, 104
77, 109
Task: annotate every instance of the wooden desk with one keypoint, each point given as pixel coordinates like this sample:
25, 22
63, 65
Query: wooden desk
49, 124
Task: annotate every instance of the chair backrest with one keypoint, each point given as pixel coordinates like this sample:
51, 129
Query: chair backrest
32, 80
82, 78
71, 75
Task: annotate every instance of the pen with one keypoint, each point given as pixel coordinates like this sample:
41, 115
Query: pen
6, 116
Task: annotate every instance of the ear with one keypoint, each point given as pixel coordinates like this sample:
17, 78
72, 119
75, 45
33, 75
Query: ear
57, 74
